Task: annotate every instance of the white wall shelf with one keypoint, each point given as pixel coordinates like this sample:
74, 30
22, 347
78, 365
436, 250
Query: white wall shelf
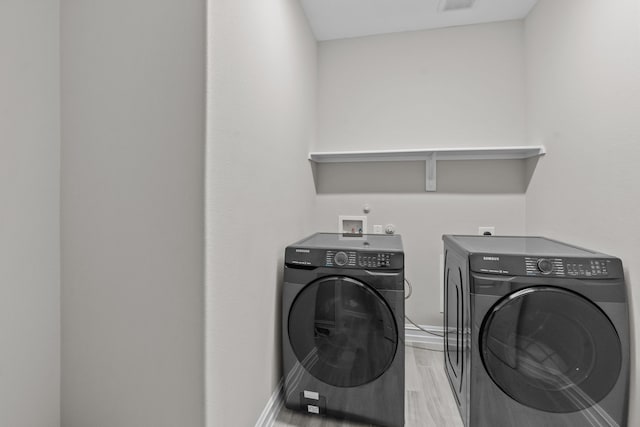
480, 153
429, 155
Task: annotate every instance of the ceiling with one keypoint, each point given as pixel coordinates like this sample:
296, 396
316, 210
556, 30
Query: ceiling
337, 19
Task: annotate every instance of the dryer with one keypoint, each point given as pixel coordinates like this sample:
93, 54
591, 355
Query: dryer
343, 327
537, 333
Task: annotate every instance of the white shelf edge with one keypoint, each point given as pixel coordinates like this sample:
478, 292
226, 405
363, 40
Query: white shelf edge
429, 156
475, 153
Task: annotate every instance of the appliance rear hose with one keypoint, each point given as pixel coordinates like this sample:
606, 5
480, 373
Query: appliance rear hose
411, 321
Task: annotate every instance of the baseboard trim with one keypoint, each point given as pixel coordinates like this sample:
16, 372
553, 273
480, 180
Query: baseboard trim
415, 336
272, 409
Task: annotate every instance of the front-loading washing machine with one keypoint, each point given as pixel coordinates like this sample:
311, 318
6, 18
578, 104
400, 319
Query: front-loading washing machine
343, 327
537, 333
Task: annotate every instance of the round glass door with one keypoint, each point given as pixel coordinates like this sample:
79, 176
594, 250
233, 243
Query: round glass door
342, 331
551, 349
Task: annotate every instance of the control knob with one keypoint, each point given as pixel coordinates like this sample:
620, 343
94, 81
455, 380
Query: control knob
545, 266
341, 258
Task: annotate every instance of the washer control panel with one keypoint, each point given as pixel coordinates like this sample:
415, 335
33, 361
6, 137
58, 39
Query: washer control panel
566, 267
364, 259
340, 258
588, 268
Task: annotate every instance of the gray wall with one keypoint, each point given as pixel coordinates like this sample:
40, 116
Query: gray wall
461, 86
29, 213
260, 195
583, 85
133, 102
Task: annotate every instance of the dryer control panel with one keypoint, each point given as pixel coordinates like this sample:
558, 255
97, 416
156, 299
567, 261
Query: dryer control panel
544, 266
577, 267
541, 266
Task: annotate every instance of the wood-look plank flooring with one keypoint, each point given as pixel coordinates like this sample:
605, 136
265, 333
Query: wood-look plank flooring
428, 398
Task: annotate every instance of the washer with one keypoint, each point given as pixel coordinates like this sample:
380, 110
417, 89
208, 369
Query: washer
537, 333
343, 327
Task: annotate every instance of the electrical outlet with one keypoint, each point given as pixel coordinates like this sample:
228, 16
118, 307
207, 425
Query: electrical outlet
487, 231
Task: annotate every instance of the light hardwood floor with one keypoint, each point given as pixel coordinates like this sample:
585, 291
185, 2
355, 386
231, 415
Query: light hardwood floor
428, 398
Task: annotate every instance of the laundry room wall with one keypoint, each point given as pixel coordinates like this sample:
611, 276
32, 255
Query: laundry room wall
133, 126
260, 194
454, 87
583, 90
29, 213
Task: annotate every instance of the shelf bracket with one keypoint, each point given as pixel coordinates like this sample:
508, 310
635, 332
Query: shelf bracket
430, 169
